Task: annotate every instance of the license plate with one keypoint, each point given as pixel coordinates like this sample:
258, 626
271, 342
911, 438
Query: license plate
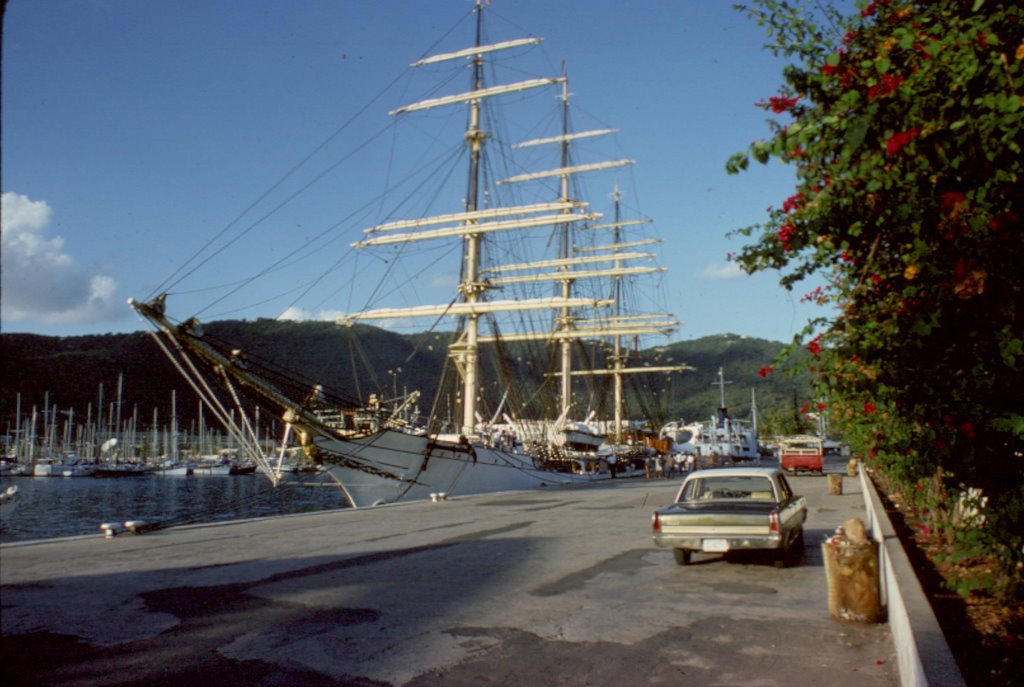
715, 545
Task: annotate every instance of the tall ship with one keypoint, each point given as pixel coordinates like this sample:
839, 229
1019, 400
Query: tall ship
538, 270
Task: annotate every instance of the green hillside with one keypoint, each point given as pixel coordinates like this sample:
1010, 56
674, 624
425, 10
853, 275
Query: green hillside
353, 363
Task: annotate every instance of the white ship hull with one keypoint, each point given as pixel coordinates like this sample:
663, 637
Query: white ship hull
390, 466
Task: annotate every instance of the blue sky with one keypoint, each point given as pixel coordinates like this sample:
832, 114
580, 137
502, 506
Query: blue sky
135, 130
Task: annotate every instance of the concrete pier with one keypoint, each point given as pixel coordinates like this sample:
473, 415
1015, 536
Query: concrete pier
560, 587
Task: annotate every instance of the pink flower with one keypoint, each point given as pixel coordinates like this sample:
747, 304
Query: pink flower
813, 295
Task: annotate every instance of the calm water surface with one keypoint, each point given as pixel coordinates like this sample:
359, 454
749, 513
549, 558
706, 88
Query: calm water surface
68, 506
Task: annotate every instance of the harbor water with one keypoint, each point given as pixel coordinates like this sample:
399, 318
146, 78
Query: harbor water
50, 507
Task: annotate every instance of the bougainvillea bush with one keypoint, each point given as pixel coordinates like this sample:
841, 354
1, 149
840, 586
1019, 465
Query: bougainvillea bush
904, 125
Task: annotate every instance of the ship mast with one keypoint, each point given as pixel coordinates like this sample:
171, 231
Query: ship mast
617, 359
566, 321
470, 287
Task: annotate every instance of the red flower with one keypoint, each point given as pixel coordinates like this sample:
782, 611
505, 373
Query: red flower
870, 9
793, 202
900, 139
1000, 221
869, 408
814, 345
967, 429
951, 200
819, 406
829, 70
784, 235
779, 104
765, 370
889, 84
807, 407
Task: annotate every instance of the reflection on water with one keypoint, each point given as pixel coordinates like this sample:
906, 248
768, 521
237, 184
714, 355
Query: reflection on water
60, 507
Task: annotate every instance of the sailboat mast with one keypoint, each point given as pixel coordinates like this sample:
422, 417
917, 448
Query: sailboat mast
617, 360
471, 286
566, 347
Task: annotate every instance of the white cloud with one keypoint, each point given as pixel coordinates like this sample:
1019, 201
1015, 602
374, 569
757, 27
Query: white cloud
730, 270
40, 279
296, 314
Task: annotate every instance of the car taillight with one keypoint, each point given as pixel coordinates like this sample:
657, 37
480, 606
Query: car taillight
656, 522
774, 522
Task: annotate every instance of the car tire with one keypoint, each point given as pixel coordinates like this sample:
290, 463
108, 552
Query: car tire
781, 559
682, 556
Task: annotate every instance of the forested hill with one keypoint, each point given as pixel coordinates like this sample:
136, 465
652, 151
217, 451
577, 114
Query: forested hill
69, 371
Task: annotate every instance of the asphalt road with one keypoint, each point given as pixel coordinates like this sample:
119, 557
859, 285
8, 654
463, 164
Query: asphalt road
557, 587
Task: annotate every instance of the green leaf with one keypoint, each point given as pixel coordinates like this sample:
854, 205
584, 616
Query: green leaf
856, 132
760, 152
737, 163
882, 65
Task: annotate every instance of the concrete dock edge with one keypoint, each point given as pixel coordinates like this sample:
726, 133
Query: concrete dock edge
922, 653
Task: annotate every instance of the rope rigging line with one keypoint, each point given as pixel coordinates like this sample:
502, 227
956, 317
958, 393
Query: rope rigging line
170, 280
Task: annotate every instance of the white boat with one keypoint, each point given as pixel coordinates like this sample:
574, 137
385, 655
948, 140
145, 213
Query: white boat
9, 498
175, 469
509, 293
722, 439
212, 465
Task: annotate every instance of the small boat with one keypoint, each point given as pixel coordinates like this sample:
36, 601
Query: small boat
9, 498
108, 470
175, 470
215, 465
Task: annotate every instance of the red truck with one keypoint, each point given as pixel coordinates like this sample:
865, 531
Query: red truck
801, 453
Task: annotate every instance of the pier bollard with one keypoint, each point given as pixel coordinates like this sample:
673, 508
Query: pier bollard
109, 529
851, 571
851, 467
835, 485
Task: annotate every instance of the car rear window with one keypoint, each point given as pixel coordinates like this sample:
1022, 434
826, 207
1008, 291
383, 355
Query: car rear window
729, 488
